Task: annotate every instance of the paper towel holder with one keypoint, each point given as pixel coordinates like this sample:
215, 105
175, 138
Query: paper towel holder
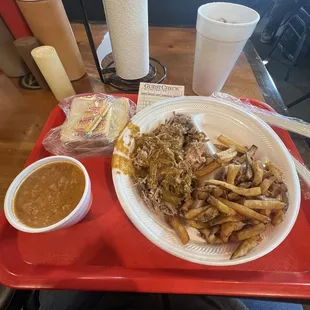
108, 74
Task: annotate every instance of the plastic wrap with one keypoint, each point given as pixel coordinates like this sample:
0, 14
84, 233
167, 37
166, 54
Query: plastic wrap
93, 123
277, 120
273, 118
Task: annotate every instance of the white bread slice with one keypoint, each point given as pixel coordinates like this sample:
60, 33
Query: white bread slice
119, 118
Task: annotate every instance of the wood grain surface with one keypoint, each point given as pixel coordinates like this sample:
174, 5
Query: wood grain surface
24, 112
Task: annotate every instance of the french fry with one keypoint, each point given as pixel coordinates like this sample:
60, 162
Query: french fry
254, 191
264, 204
220, 147
227, 155
277, 188
249, 169
245, 184
205, 232
234, 197
208, 215
197, 204
229, 142
215, 240
252, 222
277, 218
246, 247
249, 232
266, 183
208, 169
258, 171
202, 195
265, 212
232, 172
240, 160
252, 150
228, 228
196, 224
217, 192
178, 227
274, 170
209, 235
221, 219
187, 205
220, 206
193, 213
284, 197
245, 211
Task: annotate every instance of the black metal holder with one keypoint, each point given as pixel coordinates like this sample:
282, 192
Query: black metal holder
108, 74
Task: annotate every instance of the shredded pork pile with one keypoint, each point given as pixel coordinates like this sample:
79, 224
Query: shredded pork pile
164, 163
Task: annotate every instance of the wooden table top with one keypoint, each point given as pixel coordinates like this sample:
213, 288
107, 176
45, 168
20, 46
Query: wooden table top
23, 112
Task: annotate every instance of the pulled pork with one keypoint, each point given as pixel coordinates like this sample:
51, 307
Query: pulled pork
164, 163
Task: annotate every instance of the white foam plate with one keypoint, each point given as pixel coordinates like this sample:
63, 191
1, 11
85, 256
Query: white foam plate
221, 118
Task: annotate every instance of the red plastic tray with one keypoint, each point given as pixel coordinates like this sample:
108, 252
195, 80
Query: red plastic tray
106, 252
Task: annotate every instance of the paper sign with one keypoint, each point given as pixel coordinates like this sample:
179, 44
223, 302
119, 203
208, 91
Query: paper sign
150, 93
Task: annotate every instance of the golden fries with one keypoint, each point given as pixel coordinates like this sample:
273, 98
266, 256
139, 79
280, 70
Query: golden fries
227, 155
265, 212
202, 195
277, 218
187, 205
210, 235
208, 169
208, 215
228, 228
220, 206
266, 183
246, 246
193, 213
245, 211
228, 142
234, 197
274, 171
254, 191
264, 204
224, 219
252, 222
258, 171
249, 232
232, 172
220, 147
217, 192
197, 204
178, 227
196, 224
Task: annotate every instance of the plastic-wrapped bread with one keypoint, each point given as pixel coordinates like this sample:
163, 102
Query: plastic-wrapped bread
93, 124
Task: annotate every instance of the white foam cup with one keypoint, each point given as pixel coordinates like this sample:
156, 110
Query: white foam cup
222, 31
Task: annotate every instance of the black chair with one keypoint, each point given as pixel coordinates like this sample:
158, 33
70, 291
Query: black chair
298, 28
11, 299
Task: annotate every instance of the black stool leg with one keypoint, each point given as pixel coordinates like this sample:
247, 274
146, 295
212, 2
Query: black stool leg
277, 41
301, 99
296, 55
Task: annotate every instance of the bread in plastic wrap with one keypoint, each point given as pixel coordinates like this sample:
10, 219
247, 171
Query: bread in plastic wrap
93, 123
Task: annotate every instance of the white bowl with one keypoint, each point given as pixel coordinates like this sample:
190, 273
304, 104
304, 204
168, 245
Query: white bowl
74, 217
221, 117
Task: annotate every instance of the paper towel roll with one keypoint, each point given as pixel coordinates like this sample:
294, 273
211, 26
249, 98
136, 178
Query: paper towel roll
48, 22
10, 61
128, 26
24, 47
